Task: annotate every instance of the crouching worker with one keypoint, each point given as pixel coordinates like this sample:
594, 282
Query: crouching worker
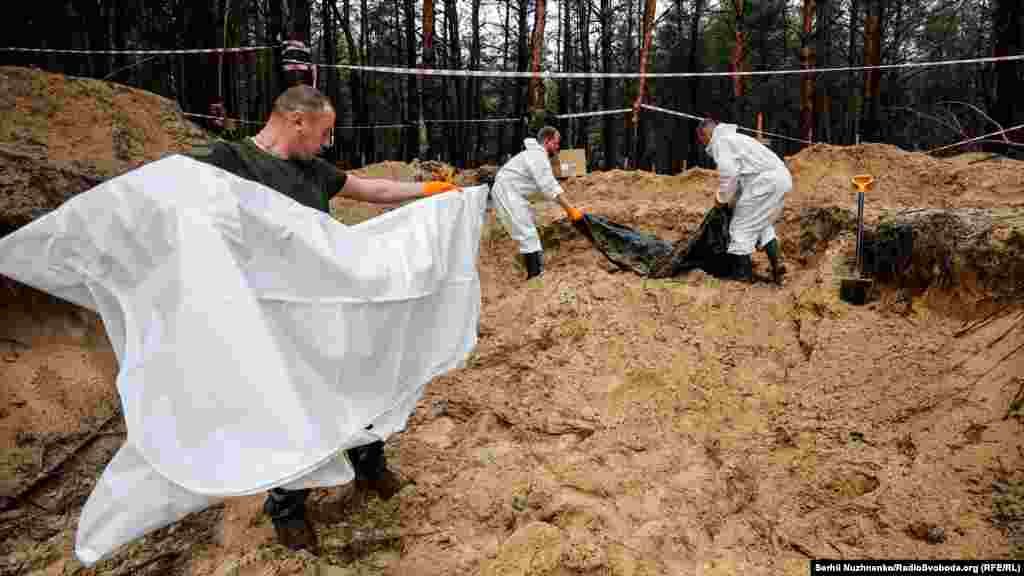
524, 175
754, 181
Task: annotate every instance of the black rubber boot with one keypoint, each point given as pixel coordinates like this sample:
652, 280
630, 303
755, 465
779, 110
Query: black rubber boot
534, 264
372, 473
287, 511
778, 270
742, 268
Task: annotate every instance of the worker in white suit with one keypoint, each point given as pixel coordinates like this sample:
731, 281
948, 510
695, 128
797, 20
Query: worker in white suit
524, 176
754, 181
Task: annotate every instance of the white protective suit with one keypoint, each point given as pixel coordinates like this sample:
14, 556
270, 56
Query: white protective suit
523, 177
754, 181
257, 338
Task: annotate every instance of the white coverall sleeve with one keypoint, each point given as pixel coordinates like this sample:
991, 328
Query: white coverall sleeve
540, 167
728, 173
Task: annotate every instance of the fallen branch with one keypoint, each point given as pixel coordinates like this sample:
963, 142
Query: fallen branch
54, 468
136, 568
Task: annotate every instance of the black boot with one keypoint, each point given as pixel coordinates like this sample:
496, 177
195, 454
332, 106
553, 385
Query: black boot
287, 511
742, 268
372, 473
778, 270
534, 264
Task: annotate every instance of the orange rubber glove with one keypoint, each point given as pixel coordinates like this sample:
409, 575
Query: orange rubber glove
574, 214
437, 187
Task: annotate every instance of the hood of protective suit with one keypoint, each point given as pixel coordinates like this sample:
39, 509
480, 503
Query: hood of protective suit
738, 153
738, 158
529, 173
533, 144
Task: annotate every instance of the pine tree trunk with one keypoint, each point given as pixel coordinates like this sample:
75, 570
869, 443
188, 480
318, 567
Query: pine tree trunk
807, 58
565, 96
474, 105
1009, 40
611, 152
870, 128
695, 66
822, 59
583, 136
412, 101
522, 59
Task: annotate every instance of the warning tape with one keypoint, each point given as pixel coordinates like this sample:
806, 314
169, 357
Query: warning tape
671, 112
361, 126
584, 75
474, 120
698, 118
221, 118
140, 52
961, 143
597, 113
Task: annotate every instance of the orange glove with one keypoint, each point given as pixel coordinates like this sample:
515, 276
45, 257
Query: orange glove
574, 214
436, 187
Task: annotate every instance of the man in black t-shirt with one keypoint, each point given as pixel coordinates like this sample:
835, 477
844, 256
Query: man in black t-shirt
282, 156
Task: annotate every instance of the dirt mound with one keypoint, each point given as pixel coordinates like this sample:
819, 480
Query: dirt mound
63, 135
60, 421
822, 173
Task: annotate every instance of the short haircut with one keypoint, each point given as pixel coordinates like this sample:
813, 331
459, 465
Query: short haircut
546, 133
302, 98
707, 123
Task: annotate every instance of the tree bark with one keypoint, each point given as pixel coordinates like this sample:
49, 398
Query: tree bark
502, 140
807, 59
823, 97
695, 66
474, 106
521, 63
565, 95
1009, 40
650, 9
739, 55
872, 78
355, 91
536, 91
611, 152
851, 108
369, 135
583, 136
411, 94
429, 103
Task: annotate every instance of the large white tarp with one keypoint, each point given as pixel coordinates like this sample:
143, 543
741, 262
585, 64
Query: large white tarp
257, 338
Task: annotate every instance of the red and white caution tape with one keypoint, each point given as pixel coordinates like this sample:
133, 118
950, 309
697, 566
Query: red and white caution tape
221, 118
584, 75
139, 52
596, 113
368, 126
473, 120
698, 118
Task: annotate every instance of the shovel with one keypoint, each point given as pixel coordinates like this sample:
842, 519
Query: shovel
855, 290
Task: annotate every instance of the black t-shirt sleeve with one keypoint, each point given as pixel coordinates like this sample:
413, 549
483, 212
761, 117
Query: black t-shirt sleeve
333, 179
218, 154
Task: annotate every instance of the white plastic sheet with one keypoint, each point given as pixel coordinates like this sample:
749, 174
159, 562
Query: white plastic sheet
257, 338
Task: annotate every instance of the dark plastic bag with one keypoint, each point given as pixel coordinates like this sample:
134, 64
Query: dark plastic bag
650, 256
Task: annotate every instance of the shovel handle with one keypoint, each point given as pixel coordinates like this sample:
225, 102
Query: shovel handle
860, 230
